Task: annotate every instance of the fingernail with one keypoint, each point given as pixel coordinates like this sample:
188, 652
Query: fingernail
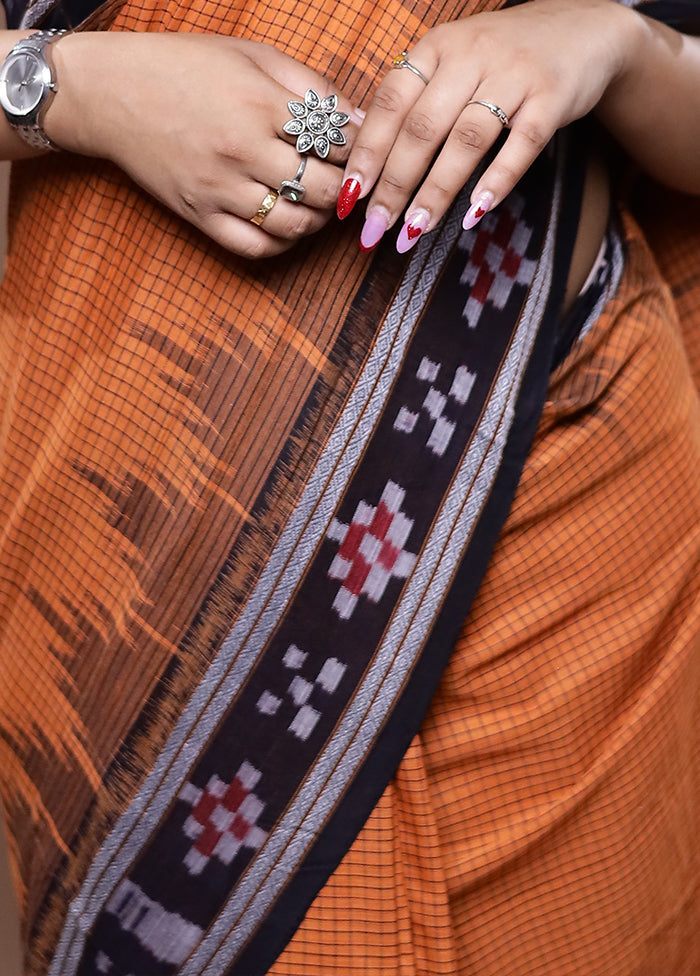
412, 230
373, 231
481, 206
358, 113
348, 196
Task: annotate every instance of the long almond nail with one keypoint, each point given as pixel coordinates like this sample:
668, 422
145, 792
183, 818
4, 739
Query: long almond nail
478, 209
373, 231
412, 230
348, 197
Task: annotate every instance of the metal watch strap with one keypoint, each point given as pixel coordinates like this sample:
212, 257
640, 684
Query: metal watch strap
34, 135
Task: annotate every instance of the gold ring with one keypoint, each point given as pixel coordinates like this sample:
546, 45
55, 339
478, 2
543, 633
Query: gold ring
269, 200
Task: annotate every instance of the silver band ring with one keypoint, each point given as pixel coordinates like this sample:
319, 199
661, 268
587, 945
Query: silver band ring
494, 110
269, 200
401, 61
294, 190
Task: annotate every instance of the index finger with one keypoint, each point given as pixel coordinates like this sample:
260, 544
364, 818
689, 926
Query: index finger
391, 103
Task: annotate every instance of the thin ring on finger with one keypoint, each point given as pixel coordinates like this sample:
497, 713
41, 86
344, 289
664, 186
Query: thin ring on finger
273, 214
493, 109
401, 61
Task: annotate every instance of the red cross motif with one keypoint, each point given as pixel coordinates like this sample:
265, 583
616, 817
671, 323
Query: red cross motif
371, 550
497, 258
223, 818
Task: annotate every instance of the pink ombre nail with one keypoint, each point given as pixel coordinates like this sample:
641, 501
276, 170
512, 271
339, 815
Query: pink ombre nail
478, 209
373, 231
412, 230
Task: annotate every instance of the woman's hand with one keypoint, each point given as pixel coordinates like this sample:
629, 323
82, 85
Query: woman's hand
543, 64
196, 119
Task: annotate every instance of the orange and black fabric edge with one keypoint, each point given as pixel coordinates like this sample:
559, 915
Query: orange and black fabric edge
405, 720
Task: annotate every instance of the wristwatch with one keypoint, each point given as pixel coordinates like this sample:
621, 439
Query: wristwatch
28, 86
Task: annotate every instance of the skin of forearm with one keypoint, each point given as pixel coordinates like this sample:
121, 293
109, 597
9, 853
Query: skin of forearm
653, 108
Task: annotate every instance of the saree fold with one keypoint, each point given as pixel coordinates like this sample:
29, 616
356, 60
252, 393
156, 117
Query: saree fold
245, 511
544, 819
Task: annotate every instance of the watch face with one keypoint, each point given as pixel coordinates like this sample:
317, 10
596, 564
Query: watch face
22, 83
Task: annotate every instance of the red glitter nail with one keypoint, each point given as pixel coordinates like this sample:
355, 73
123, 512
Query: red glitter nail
349, 196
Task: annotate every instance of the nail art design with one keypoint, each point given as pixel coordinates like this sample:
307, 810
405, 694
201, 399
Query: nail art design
349, 196
373, 231
481, 206
412, 230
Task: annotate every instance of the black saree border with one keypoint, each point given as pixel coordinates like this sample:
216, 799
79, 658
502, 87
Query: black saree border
145, 884
405, 719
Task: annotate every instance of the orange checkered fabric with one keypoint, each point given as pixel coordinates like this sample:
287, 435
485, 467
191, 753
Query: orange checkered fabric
544, 820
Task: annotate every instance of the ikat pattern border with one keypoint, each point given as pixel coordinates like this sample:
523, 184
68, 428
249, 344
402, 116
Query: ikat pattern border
405, 637
279, 851
239, 652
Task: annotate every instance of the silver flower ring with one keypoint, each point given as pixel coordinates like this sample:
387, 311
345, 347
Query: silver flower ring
316, 123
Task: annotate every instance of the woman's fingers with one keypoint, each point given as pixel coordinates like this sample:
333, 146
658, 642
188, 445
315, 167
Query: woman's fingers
270, 226
529, 134
278, 216
243, 216
470, 135
475, 132
531, 68
466, 137
243, 237
398, 112
321, 181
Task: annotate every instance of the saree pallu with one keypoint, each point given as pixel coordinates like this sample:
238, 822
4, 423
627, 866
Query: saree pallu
245, 509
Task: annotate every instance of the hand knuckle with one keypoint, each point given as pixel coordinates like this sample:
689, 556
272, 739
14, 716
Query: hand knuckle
254, 249
504, 174
393, 183
386, 100
328, 192
229, 148
188, 205
365, 157
419, 127
470, 137
440, 192
299, 223
533, 133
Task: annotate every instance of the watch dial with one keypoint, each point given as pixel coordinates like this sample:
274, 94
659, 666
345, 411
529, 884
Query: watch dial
24, 85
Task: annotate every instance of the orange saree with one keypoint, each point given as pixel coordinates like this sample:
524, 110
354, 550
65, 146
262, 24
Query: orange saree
167, 411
